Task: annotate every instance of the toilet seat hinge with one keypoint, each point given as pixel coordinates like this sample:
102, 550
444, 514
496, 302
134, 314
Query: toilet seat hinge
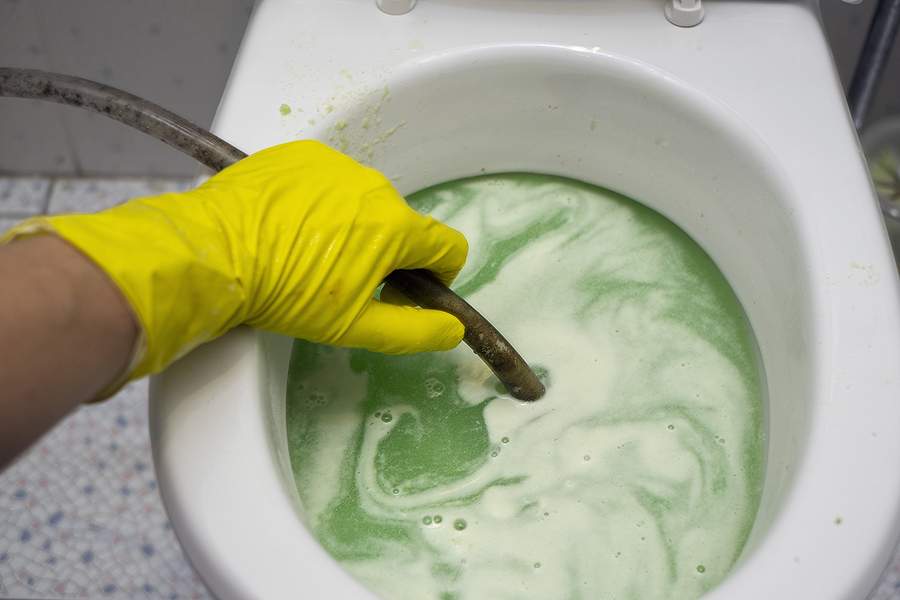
396, 7
684, 13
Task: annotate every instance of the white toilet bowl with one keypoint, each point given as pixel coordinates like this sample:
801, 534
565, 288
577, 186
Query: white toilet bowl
736, 130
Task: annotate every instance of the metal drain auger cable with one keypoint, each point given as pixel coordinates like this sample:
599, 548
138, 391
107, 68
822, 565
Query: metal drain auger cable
418, 285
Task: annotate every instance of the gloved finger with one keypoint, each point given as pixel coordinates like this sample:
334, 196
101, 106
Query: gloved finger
392, 329
436, 247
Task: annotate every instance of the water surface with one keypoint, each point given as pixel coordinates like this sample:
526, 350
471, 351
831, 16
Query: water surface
638, 474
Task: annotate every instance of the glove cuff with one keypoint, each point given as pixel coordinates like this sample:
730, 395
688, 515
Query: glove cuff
180, 287
39, 226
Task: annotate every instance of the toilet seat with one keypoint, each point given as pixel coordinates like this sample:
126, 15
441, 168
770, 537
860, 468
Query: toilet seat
827, 526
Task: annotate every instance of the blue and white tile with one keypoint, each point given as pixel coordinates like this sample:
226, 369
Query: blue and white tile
80, 512
889, 588
93, 195
23, 196
7, 223
81, 515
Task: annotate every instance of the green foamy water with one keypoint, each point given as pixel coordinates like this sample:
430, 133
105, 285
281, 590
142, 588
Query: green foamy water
637, 475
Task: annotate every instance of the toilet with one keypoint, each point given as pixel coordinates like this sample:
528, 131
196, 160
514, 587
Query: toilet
735, 128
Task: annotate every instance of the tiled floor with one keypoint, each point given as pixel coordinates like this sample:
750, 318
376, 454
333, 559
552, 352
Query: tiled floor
80, 513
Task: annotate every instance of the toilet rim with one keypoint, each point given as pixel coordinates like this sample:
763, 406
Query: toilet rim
231, 386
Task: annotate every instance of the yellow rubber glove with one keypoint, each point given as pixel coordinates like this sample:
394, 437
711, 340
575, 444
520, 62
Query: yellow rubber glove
294, 239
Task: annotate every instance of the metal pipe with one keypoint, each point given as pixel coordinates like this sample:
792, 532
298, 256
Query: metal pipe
875, 53
419, 286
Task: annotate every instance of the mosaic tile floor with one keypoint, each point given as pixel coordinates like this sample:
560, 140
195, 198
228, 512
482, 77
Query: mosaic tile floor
81, 516
80, 512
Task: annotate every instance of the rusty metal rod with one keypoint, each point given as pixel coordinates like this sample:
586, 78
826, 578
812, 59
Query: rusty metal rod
419, 286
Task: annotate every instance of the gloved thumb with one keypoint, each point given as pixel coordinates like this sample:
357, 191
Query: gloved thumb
392, 329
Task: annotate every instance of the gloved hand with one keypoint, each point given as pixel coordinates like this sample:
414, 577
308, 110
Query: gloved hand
294, 239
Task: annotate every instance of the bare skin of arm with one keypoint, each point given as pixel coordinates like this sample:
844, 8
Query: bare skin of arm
65, 333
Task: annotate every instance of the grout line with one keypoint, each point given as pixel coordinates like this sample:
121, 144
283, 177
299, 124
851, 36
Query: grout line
50, 187
15, 215
62, 116
90, 175
54, 180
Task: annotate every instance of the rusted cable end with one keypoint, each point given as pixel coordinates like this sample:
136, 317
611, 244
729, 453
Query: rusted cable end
424, 289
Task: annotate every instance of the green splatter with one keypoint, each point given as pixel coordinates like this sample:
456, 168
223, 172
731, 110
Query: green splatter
381, 445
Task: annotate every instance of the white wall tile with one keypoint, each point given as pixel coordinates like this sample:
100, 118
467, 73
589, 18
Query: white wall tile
32, 133
174, 53
179, 54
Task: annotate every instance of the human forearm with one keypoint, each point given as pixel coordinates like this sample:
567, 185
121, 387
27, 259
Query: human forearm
294, 239
65, 333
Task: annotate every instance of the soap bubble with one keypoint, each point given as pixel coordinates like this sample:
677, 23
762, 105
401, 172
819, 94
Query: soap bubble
433, 387
315, 400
